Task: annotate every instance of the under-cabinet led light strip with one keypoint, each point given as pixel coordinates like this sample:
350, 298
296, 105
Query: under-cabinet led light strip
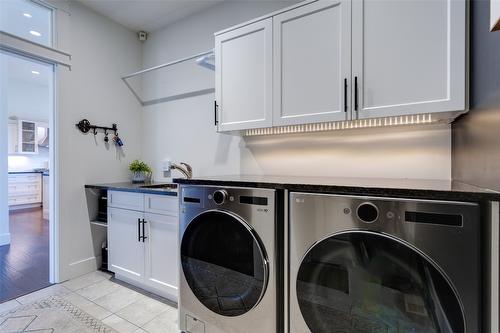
342, 125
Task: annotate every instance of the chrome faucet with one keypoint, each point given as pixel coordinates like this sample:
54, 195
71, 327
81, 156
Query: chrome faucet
184, 168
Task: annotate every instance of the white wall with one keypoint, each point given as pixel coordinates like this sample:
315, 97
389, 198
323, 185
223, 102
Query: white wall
102, 51
20, 162
29, 101
183, 130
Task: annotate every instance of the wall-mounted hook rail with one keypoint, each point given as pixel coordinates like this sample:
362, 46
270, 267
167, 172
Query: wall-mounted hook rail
85, 126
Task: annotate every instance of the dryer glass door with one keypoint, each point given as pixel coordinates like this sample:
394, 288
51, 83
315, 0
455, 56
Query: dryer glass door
224, 263
368, 282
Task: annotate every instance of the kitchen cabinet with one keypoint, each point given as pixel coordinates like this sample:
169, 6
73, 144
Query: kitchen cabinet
45, 196
337, 60
27, 137
409, 57
24, 189
243, 77
312, 63
143, 241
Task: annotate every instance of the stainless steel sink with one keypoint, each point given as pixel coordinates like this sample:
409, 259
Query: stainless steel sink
166, 187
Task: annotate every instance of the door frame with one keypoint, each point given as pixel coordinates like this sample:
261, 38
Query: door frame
60, 60
54, 168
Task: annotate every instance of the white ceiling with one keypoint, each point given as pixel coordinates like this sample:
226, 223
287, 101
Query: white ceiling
147, 15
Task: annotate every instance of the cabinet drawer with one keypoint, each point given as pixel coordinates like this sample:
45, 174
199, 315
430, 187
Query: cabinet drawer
24, 199
126, 200
161, 204
25, 178
24, 188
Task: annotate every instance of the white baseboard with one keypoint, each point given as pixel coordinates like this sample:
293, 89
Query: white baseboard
25, 206
4, 239
82, 267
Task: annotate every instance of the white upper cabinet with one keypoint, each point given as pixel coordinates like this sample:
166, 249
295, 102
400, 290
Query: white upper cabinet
243, 77
408, 57
335, 60
312, 63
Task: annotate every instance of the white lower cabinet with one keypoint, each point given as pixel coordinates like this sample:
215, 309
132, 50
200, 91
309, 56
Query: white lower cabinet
161, 249
126, 249
24, 189
142, 244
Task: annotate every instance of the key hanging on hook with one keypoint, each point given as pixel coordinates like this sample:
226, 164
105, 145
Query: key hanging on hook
117, 140
106, 139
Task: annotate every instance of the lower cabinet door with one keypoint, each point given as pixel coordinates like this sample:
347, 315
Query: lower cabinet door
162, 254
125, 247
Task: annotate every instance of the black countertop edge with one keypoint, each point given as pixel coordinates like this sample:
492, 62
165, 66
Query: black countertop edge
23, 172
131, 187
457, 191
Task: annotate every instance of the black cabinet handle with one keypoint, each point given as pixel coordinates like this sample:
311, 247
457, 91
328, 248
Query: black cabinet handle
356, 93
345, 95
138, 229
143, 233
216, 108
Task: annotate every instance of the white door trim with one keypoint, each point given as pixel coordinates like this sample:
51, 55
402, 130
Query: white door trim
21, 46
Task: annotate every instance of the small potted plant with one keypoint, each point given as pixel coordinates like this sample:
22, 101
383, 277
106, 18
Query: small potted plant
141, 172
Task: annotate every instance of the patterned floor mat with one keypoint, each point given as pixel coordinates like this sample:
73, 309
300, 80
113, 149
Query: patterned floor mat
50, 315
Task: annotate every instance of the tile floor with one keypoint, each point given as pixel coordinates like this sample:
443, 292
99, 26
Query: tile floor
121, 307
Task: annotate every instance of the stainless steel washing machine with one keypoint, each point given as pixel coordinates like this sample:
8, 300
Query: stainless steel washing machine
228, 277
367, 264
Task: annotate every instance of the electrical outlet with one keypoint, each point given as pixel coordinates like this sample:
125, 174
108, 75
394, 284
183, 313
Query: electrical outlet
166, 165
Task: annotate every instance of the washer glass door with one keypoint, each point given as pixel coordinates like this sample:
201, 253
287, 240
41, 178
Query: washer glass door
224, 263
368, 282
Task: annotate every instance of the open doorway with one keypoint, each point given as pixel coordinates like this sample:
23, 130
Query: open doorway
27, 100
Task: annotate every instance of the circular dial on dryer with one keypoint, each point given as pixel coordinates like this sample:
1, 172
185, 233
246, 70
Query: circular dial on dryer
224, 263
367, 212
220, 196
362, 281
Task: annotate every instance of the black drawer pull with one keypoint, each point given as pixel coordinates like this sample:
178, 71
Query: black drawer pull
143, 233
345, 95
138, 229
216, 108
356, 93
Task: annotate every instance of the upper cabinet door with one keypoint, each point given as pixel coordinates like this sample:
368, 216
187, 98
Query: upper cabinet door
243, 77
312, 63
27, 137
409, 57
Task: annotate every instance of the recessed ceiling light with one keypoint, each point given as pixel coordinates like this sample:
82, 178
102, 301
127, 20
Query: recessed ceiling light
27, 15
35, 72
35, 33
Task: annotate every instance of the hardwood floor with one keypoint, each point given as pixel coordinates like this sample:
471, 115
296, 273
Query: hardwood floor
24, 264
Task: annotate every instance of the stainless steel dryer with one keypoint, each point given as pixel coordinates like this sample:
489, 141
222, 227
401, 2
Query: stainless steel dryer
366, 264
228, 278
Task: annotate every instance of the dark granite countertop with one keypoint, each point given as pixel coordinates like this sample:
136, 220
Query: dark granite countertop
24, 171
402, 188
133, 187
